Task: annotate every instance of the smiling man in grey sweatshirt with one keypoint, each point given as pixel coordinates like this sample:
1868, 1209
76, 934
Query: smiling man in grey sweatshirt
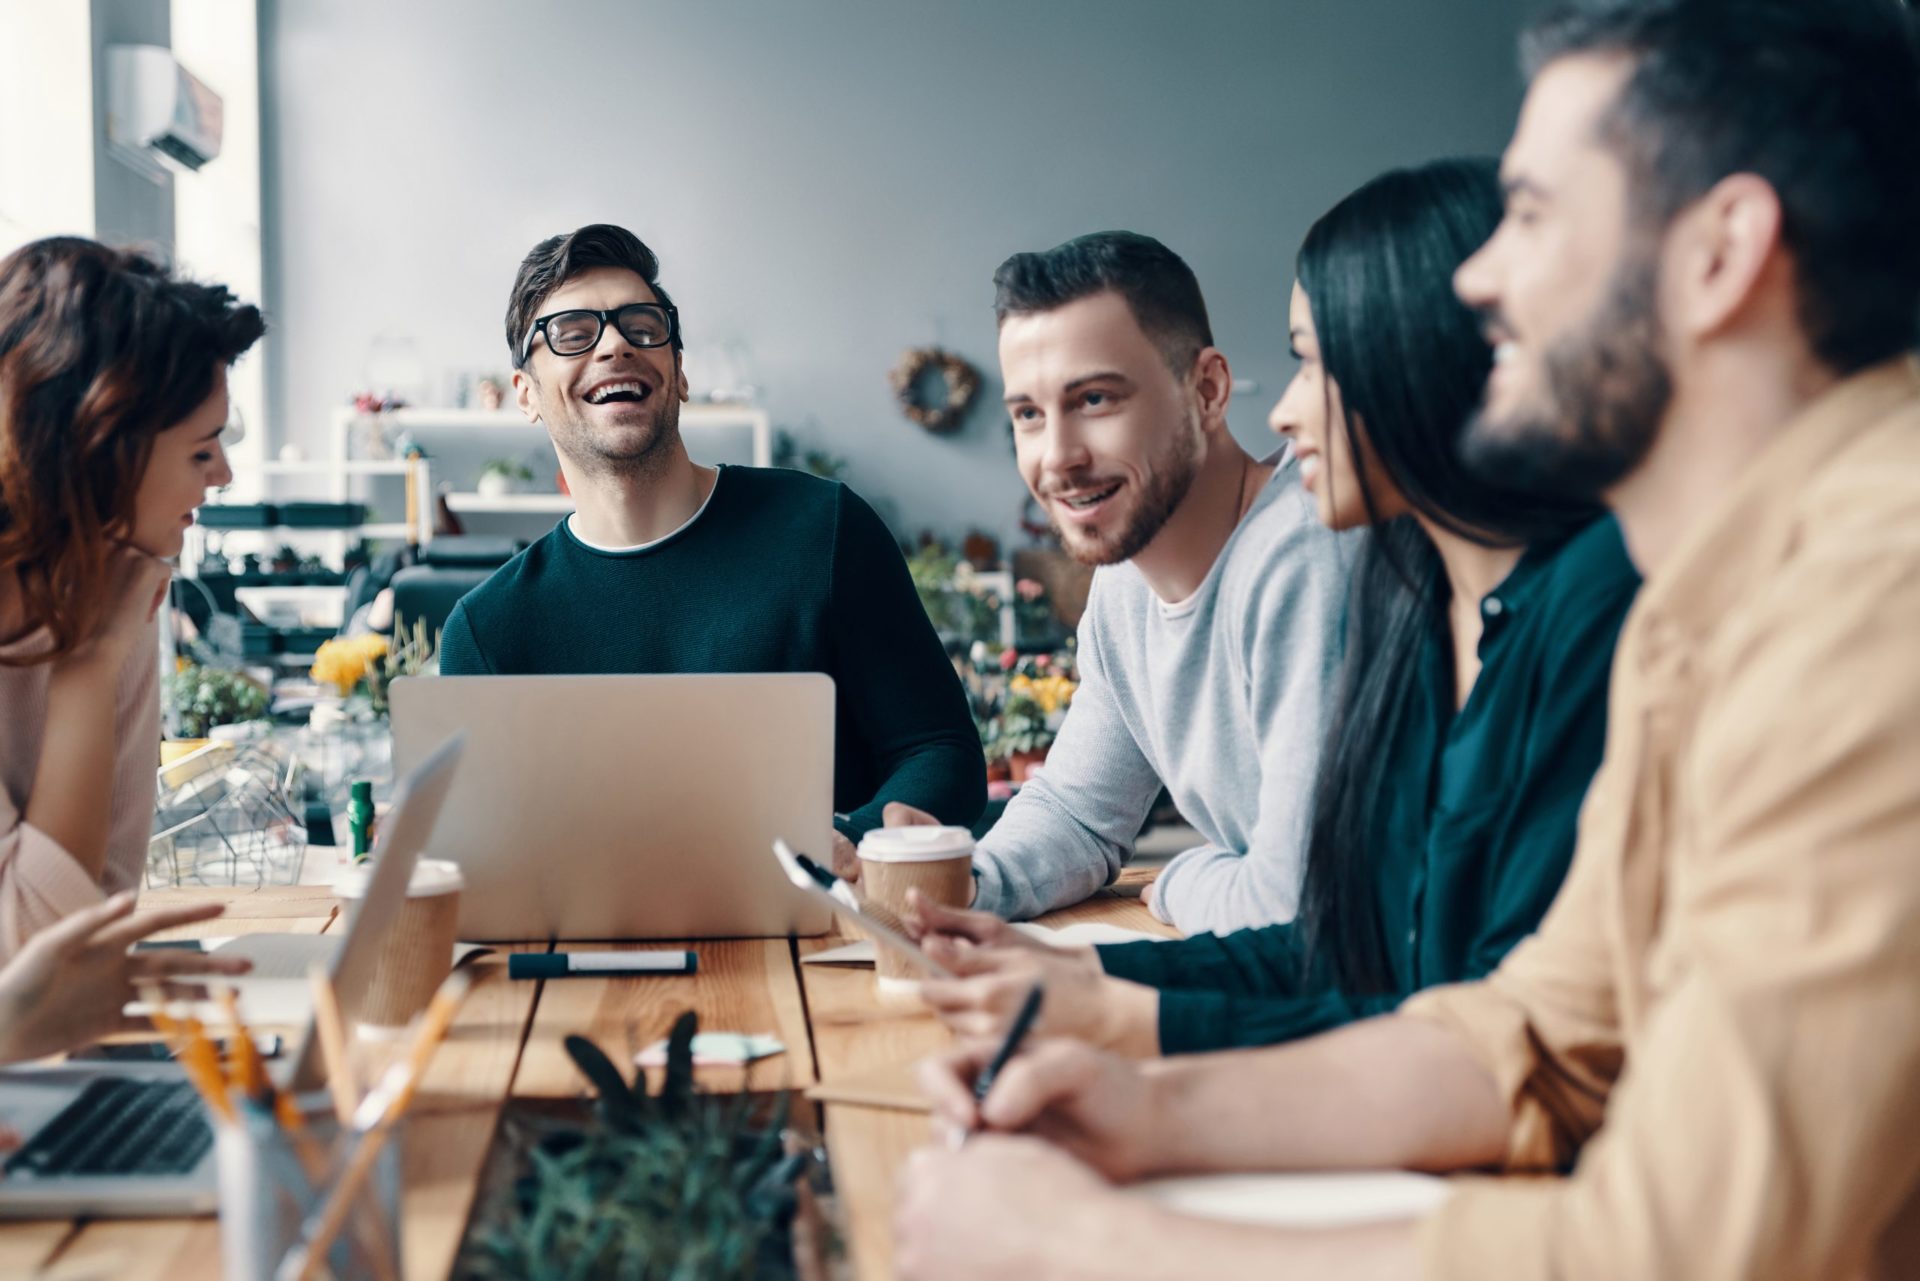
1209, 644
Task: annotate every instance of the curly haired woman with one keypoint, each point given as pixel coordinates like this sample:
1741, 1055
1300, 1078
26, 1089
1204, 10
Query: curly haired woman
113, 398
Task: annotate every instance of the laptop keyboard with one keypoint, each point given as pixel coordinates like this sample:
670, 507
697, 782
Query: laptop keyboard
119, 1126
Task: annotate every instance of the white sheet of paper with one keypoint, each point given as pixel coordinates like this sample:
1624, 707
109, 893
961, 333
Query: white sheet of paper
277, 992
717, 1049
1085, 934
858, 953
1329, 1200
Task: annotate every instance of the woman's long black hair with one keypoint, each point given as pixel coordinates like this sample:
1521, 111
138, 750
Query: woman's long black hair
1411, 364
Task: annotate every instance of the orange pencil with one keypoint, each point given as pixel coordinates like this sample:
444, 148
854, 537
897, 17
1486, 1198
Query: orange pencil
196, 1054
375, 1119
332, 1031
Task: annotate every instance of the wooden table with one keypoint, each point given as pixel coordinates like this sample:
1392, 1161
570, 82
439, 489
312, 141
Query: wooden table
507, 1044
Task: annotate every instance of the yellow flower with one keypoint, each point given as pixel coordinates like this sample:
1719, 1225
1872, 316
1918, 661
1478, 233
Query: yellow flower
343, 663
1051, 692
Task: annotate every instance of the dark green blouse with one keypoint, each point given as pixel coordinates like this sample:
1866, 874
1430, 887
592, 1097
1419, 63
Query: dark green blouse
1476, 829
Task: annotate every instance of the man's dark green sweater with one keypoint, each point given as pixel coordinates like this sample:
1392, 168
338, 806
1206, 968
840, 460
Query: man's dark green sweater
780, 572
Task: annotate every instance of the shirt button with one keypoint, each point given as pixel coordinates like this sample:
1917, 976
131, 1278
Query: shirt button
1492, 607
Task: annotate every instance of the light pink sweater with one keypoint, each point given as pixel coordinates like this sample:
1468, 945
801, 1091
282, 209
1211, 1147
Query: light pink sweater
39, 881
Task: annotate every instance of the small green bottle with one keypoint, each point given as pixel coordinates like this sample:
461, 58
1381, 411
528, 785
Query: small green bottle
360, 818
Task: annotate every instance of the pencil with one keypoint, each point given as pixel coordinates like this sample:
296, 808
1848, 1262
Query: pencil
327, 1025
375, 1119
193, 1051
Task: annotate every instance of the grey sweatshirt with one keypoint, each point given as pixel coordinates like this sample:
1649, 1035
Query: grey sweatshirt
1223, 698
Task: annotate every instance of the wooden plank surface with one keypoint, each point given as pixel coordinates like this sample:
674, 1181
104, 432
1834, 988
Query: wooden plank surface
742, 985
24, 1247
451, 1127
509, 1034
867, 1147
446, 1142
855, 1039
852, 1034
273, 901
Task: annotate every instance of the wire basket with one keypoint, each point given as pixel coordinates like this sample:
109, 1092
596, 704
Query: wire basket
224, 818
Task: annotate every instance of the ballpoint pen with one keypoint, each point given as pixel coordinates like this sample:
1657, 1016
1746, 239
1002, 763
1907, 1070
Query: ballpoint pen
1022, 1024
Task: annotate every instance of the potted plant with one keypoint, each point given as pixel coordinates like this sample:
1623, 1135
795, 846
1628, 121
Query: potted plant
960, 607
499, 476
199, 698
412, 653
653, 1187
1023, 737
286, 560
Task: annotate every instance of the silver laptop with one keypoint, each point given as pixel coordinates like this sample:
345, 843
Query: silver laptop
628, 807
133, 1139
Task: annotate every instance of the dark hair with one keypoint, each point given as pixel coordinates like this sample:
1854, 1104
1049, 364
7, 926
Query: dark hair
1159, 287
101, 350
1411, 364
558, 259
1822, 100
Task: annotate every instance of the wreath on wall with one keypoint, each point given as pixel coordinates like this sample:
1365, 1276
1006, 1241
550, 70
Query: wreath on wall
960, 381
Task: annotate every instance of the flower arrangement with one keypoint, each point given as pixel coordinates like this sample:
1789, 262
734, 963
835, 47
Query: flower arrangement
1051, 690
352, 663
345, 661
1019, 704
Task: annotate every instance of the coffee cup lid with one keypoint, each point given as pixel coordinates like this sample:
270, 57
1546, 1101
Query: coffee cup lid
430, 876
915, 844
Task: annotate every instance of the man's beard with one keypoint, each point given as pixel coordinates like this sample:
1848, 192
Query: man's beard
1607, 388
1168, 479
641, 450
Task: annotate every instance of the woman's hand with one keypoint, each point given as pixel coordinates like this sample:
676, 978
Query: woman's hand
1080, 1002
66, 988
946, 931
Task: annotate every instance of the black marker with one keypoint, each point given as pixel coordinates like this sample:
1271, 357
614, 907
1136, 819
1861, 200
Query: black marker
602, 965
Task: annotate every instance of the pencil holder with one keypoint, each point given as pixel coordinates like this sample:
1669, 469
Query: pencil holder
272, 1182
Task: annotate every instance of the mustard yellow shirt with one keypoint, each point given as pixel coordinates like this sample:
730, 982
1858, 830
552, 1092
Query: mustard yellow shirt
1712, 1045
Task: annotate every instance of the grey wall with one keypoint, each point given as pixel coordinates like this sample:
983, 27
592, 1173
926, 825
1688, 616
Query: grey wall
129, 207
830, 182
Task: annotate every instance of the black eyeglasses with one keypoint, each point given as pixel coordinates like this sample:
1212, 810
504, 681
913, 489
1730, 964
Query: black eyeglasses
577, 331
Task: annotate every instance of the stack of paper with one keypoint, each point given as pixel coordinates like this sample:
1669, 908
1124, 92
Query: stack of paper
1322, 1200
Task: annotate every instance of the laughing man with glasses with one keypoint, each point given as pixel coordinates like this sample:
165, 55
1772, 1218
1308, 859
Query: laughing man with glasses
669, 566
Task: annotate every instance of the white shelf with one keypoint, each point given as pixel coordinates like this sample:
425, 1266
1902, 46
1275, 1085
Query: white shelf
699, 416
523, 503
698, 412
325, 467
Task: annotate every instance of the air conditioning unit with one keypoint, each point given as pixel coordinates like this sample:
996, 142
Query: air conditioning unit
159, 117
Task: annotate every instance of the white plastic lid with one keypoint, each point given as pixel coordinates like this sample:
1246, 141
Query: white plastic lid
915, 844
431, 876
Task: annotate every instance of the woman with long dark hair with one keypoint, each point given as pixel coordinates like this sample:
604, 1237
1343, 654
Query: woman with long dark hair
113, 398
1472, 703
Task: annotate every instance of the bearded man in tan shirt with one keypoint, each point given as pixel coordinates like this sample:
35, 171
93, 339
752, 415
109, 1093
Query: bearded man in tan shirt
1704, 300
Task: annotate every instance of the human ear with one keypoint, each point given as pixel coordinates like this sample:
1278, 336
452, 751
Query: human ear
1719, 254
524, 388
1213, 384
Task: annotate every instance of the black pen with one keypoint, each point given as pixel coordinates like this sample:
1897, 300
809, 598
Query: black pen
1022, 1024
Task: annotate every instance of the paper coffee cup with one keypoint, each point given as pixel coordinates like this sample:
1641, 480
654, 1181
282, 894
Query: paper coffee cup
418, 952
937, 861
